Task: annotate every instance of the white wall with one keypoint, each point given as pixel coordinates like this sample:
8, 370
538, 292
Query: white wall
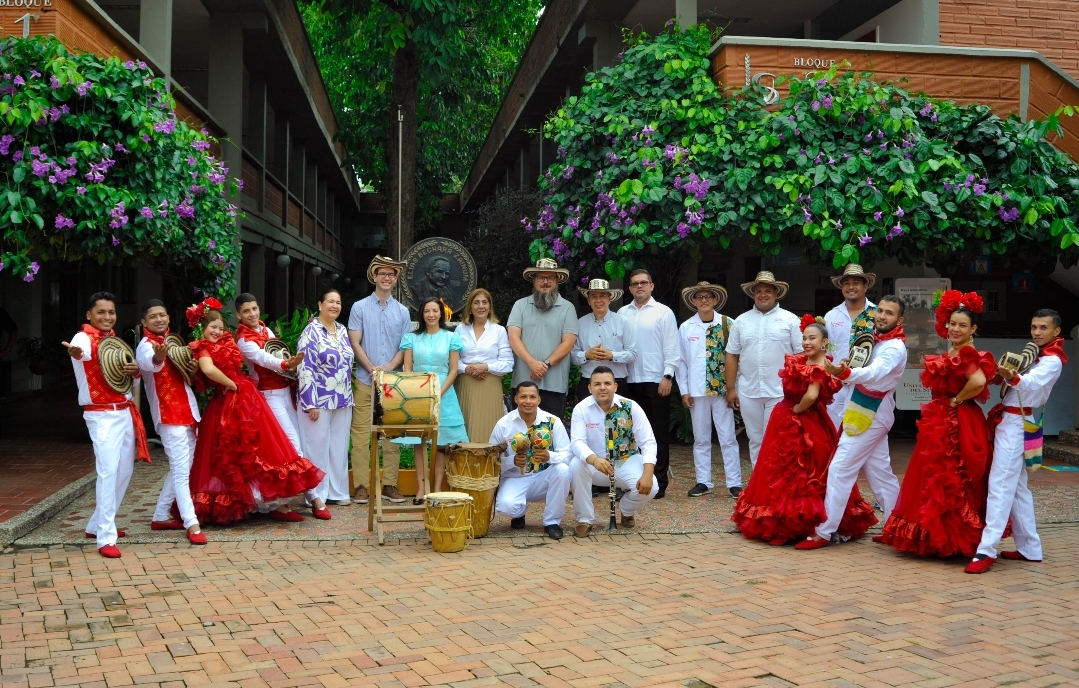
915, 22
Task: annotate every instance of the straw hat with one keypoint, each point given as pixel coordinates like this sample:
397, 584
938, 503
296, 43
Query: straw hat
766, 277
180, 356
113, 353
397, 266
855, 270
689, 292
600, 285
279, 349
546, 265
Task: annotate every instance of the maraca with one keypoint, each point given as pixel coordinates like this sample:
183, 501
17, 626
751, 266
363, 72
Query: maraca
541, 439
520, 442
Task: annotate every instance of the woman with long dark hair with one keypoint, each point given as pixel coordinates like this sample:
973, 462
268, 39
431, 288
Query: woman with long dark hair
435, 349
941, 506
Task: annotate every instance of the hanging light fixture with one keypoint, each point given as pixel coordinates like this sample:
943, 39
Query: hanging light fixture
283, 260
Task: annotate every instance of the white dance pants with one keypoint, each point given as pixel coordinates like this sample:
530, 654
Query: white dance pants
280, 402
839, 404
625, 477
326, 441
707, 411
179, 443
550, 486
755, 415
113, 436
1009, 496
868, 452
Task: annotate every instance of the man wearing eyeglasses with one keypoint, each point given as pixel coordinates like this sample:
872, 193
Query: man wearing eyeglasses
656, 333
542, 330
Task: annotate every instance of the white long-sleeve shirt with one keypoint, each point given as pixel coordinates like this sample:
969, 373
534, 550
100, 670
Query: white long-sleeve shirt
691, 375
613, 333
839, 326
254, 353
512, 424
492, 348
1035, 385
882, 374
589, 435
144, 356
761, 340
655, 331
82, 340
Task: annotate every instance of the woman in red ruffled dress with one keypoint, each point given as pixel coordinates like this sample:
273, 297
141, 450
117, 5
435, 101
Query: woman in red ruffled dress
784, 500
941, 506
244, 461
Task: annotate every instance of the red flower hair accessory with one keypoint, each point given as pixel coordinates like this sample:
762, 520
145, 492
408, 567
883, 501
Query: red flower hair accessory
949, 302
197, 311
809, 319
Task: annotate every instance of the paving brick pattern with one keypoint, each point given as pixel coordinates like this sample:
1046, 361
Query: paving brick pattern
625, 610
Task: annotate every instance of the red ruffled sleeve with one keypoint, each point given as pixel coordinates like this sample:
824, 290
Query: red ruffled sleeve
797, 376
947, 375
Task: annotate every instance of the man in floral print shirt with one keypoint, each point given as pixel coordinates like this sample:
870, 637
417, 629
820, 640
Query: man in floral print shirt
846, 322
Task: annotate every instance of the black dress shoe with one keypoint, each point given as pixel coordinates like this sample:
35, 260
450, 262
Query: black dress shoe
518, 523
735, 491
598, 490
660, 495
554, 531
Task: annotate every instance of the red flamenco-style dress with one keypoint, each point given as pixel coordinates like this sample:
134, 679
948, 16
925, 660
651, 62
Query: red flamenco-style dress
784, 499
242, 455
941, 506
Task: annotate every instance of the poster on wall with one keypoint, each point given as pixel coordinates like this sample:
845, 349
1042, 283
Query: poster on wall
916, 293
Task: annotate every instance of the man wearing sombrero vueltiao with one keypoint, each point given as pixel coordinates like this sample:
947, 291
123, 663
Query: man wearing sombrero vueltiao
113, 421
846, 322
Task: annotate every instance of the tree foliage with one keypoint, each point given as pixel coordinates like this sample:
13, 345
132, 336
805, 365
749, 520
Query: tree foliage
467, 52
95, 164
499, 248
654, 156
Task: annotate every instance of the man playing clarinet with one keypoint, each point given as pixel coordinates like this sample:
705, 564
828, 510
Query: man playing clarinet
610, 438
532, 472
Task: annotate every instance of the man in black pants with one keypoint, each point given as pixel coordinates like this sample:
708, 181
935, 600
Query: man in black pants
650, 376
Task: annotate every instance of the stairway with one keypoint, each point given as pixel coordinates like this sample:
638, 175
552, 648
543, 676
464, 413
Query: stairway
1065, 448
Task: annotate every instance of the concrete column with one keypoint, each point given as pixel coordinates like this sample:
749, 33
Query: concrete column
155, 32
685, 13
257, 273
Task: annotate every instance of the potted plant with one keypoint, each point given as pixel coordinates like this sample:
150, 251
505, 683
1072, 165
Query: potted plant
32, 350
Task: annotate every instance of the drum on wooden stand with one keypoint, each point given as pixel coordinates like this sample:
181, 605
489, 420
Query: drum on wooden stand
406, 398
448, 519
473, 468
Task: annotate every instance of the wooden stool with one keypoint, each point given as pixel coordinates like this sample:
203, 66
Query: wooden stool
377, 514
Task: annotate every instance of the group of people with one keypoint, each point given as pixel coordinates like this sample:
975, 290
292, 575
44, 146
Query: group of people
812, 421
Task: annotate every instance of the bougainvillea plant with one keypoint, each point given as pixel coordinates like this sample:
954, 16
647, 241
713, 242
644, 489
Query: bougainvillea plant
96, 164
654, 156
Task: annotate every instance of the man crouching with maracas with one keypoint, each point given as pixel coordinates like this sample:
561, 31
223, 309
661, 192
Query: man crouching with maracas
535, 461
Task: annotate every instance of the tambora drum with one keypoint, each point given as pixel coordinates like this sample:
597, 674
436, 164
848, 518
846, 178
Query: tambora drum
406, 398
448, 519
474, 468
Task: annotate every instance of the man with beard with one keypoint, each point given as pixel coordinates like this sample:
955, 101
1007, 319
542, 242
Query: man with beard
542, 329
872, 407
848, 321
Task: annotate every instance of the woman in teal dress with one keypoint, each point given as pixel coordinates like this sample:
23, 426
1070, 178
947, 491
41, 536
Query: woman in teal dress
435, 349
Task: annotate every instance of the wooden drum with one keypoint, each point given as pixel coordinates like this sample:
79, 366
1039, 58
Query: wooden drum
448, 519
474, 468
406, 398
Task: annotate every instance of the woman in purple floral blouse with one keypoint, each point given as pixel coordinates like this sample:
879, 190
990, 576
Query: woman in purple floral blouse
325, 397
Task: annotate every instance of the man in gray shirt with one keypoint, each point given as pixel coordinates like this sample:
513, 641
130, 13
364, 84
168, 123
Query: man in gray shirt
542, 329
376, 326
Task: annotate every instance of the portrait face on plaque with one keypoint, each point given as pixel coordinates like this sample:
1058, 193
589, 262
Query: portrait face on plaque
438, 268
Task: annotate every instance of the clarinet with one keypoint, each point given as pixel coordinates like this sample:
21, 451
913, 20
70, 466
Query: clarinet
610, 459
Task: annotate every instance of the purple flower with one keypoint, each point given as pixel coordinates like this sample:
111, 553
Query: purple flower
600, 250
815, 106
31, 271
869, 136
82, 88
828, 102
80, 190
683, 230
146, 138
822, 82
880, 134
790, 117
869, 182
797, 132
817, 159
19, 81
568, 174
894, 232
130, 64
1009, 215
61, 222
1004, 197
979, 189
899, 212
54, 83
802, 151
115, 241
142, 65
839, 224
947, 186
808, 215
884, 146
864, 239
831, 160
878, 215
146, 212
120, 148
612, 158
17, 156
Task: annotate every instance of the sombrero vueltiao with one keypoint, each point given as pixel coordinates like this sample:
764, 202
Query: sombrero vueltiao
600, 285
279, 349
546, 265
855, 270
383, 262
180, 356
113, 353
689, 292
766, 277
